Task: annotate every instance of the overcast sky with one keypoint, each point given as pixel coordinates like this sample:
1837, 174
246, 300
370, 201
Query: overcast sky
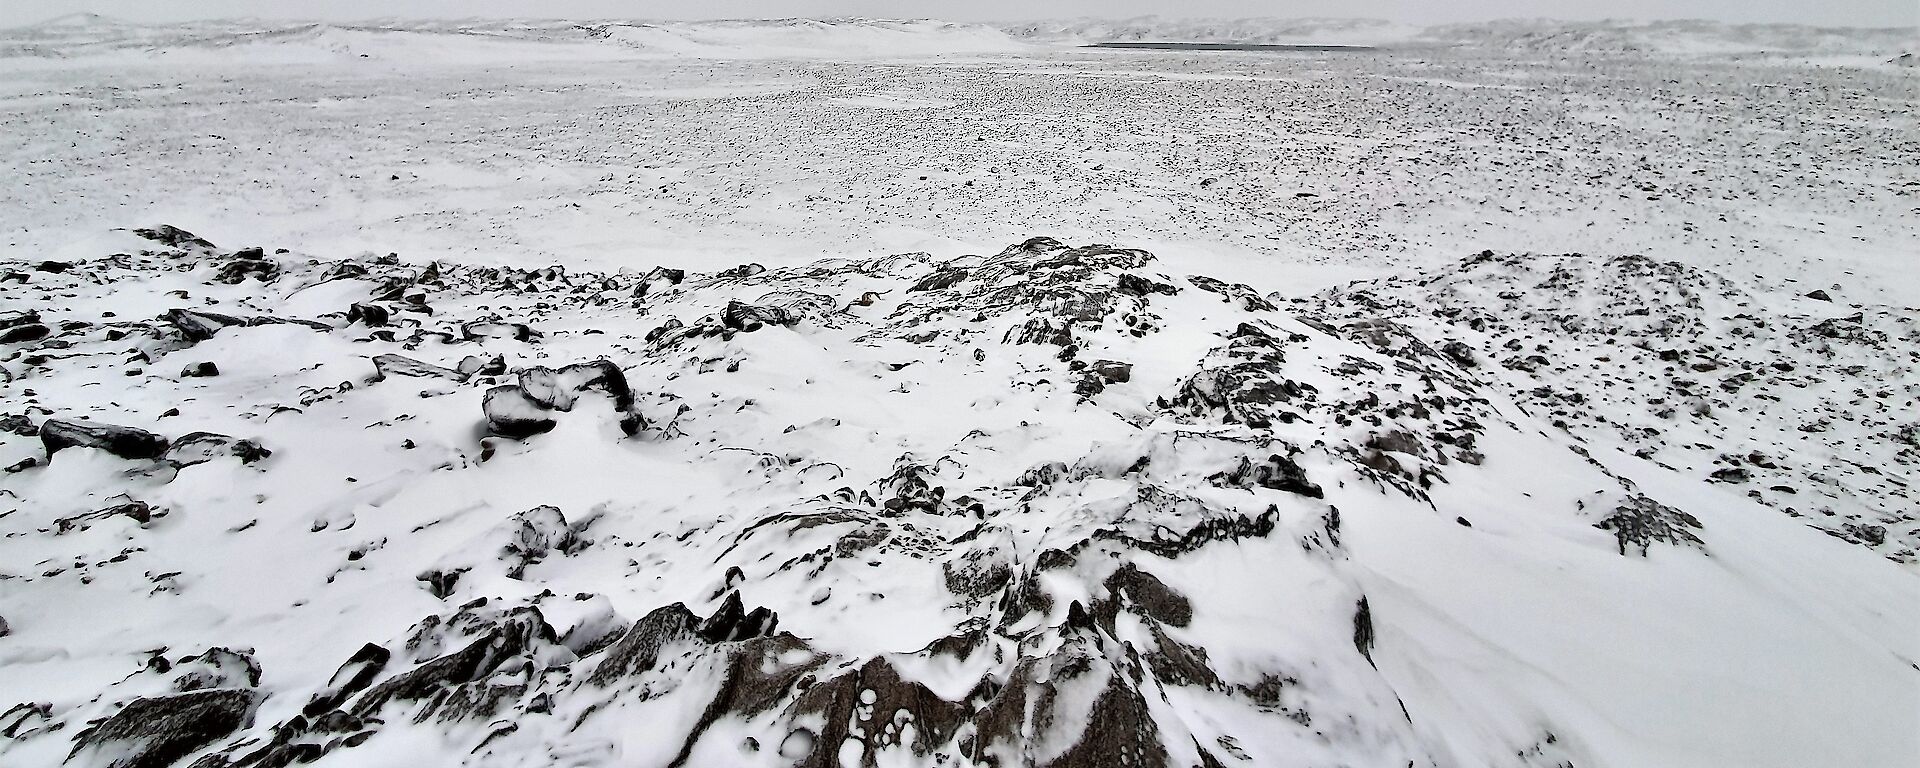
1828, 12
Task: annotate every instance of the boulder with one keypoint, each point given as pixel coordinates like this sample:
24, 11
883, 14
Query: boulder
475, 365
512, 413
125, 442
368, 314
745, 317
21, 334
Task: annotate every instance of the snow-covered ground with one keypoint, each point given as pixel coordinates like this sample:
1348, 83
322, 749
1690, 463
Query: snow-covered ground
759, 393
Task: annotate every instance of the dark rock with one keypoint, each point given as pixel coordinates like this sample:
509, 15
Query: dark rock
475, 365
667, 275
1135, 285
1149, 596
1397, 441
1870, 535
200, 447
198, 370
125, 442
352, 677
19, 424
498, 330
24, 333
639, 648
1040, 330
534, 534
1098, 374
1242, 381
200, 326
441, 581
248, 263
17, 317
907, 490
747, 317
1730, 475
945, 278
1278, 472
512, 413
368, 314
216, 668
1819, 295
1233, 293
559, 389
1363, 629
399, 365
454, 686
733, 623
1640, 521
878, 687
740, 272
55, 267
167, 234
1460, 354
156, 732
137, 511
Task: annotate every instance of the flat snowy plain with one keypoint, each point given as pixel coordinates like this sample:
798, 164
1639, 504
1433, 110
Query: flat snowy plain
1616, 492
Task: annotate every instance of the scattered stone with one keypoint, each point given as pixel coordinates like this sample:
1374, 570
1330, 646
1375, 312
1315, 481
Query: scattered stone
199, 370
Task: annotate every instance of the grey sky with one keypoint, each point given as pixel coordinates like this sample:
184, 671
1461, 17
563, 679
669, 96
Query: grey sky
1824, 12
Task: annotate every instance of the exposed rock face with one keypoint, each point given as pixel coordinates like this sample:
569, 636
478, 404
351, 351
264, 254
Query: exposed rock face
156, 732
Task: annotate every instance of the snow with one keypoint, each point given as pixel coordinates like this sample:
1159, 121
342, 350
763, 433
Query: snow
1659, 200
809, 38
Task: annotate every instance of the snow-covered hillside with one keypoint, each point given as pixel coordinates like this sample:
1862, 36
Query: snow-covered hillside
914, 394
1047, 506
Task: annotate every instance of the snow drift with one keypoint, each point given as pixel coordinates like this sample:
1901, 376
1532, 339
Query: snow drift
809, 38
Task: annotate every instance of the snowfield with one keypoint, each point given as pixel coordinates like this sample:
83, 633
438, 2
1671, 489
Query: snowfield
904, 393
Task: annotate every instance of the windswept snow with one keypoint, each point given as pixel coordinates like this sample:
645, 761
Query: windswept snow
886, 393
808, 38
